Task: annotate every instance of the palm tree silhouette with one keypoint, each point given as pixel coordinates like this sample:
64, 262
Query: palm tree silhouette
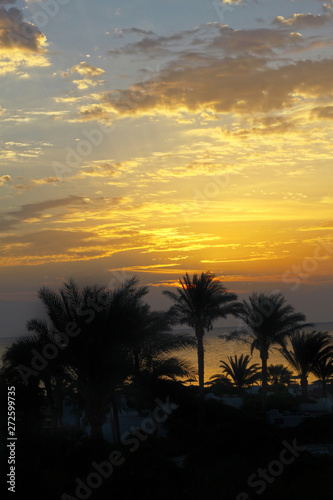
279, 375
159, 374
199, 301
82, 308
309, 353
17, 356
239, 370
116, 334
268, 320
323, 370
54, 377
152, 359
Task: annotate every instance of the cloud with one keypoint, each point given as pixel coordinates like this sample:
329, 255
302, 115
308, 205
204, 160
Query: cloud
5, 179
147, 45
256, 41
196, 168
87, 82
328, 7
69, 98
16, 34
106, 169
71, 204
37, 182
89, 74
244, 84
156, 268
217, 69
120, 32
245, 259
303, 20
21, 43
323, 112
47, 245
93, 112
269, 124
210, 37
155, 44
323, 227
33, 210
85, 69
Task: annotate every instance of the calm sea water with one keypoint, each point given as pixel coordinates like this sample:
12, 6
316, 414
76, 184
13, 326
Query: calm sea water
216, 349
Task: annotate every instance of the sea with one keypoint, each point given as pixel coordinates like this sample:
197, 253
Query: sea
216, 349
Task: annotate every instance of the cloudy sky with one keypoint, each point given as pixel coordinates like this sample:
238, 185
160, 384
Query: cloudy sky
158, 137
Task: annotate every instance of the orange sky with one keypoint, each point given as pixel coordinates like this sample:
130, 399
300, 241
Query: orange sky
153, 139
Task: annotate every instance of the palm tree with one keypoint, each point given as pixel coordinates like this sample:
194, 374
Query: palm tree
199, 301
71, 306
323, 370
159, 376
54, 376
268, 320
147, 344
309, 350
240, 371
18, 354
279, 375
153, 361
113, 328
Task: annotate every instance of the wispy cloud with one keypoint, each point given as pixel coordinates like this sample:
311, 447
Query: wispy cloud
31, 183
304, 20
323, 112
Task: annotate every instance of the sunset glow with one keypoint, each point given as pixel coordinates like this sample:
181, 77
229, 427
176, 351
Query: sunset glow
158, 138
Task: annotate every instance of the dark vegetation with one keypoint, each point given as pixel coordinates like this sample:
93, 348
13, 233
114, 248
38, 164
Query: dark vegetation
121, 351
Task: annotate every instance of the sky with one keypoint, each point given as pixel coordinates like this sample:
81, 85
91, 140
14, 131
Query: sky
154, 138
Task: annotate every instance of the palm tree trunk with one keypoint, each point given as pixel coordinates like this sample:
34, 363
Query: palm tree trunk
323, 388
136, 363
304, 385
95, 412
155, 433
199, 334
96, 419
32, 409
50, 399
59, 401
116, 420
264, 379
